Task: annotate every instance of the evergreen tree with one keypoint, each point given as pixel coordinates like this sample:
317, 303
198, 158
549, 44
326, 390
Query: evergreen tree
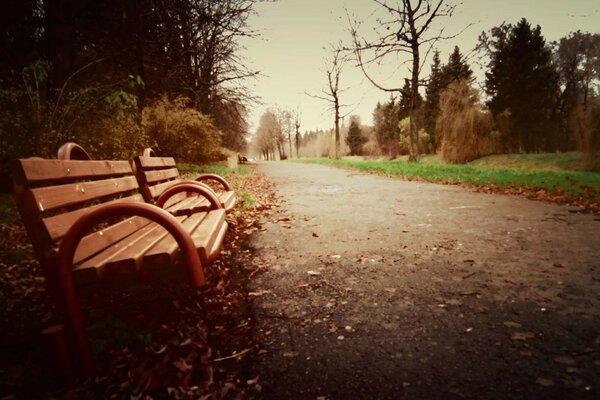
456, 69
385, 126
440, 78
522, 84
432, 96
355, 140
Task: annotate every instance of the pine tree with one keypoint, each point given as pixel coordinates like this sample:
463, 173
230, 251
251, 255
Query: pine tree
456, 69
385, 126
432, 96
355, 140
522, 84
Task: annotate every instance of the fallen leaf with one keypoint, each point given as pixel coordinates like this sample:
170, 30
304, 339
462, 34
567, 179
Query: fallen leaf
182, 365
523, 335
511, 324
565, 360
259, 293
545, 382
313, 273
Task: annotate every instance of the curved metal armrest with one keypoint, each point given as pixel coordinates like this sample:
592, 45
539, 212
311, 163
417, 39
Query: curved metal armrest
149, 152
214, 177
71, 241
72, 151
190, 186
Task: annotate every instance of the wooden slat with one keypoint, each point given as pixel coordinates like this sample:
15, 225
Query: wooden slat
207, 233
100, 240
183, 207
227, 199
163, 252
53, 197
153, 176
37, 169
58, 225
120, 258
154, 162
157, 190
215, 248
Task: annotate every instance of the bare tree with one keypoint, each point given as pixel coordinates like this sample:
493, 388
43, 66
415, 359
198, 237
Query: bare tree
297, 125
284, 116
403, 27
333, 91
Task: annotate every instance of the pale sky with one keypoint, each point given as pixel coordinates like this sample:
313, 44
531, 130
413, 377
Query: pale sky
296, 37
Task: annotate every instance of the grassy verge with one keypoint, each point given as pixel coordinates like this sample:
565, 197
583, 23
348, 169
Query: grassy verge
562, 186
191, 169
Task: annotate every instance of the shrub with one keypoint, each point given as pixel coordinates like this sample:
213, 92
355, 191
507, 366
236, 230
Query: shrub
175, 129
463, 126
585, 122
425, 144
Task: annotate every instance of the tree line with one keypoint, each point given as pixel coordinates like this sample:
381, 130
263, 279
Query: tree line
537, 97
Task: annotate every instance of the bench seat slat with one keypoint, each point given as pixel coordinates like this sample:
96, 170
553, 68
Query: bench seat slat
164, 252
120, 258
98, 241
227, 199
209, 235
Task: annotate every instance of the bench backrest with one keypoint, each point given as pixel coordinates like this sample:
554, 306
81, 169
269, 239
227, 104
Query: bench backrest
155, 175
52, 194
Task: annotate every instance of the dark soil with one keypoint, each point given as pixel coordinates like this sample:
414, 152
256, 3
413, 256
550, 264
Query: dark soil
370, 287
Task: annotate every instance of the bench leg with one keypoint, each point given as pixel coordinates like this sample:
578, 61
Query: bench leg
55, 340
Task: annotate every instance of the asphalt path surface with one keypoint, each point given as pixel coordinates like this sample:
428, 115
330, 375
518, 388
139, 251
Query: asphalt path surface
376, 288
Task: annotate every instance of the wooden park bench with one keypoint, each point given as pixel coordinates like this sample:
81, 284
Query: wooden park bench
89, 224
157, 174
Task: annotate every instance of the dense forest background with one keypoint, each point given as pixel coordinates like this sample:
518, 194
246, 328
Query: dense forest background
119, 76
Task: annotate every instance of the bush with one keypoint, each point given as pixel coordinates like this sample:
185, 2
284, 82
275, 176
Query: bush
585, 122
463, 126
425, 144
175, 129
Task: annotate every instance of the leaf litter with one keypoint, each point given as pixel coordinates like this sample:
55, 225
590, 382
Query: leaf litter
176, 342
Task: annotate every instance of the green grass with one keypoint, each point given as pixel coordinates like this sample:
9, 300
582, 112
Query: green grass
571, 185
553, 161
188, 168
244, 199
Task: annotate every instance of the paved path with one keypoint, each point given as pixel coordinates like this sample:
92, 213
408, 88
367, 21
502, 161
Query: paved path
376, 288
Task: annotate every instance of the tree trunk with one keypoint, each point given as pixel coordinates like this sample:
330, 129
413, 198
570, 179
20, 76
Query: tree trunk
413, 131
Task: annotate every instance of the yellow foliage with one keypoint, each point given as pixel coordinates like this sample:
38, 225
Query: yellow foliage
463, 127
175, 129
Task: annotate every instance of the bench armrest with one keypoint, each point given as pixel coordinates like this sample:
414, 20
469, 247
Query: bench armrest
190, 186
72, 151
81, 227
214, 177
